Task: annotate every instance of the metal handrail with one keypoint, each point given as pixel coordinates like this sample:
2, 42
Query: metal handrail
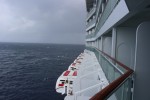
91, 12
91, 23
108, 90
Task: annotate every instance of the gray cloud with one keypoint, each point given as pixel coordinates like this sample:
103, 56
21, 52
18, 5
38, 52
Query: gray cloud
50, 21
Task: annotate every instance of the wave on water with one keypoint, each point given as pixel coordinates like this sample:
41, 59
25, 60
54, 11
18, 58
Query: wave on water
30, 71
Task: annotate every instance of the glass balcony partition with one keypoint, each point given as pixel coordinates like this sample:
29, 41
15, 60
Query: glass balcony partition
92, 22
118, 75
92, 11
90, 35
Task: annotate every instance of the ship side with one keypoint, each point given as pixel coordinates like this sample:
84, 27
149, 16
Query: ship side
115, 64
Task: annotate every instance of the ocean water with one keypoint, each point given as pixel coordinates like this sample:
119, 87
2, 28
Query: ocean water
30, 71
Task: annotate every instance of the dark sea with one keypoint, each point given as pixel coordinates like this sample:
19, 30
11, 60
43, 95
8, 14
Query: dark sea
30, 71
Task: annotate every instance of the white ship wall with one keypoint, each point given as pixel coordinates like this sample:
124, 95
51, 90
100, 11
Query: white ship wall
125, 45
142, 67
107, 45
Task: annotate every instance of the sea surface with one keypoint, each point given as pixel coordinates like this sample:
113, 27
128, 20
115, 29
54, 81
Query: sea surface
30, 71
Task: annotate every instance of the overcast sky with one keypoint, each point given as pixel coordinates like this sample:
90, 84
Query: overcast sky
42, 21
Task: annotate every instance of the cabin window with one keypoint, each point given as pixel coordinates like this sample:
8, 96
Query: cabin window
63, 82
71, 82
66, 81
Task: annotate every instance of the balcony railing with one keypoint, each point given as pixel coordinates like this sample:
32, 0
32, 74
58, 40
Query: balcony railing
92, 22
92, 11
118, 75
99, 2
90, 35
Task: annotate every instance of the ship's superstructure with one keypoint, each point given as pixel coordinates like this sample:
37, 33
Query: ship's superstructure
115, 64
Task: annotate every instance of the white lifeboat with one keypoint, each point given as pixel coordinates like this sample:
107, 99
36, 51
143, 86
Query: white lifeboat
64, 83
74, 66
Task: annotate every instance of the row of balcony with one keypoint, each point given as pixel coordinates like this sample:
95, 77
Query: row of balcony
103, 16
92, 11
107, 11
91, 24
